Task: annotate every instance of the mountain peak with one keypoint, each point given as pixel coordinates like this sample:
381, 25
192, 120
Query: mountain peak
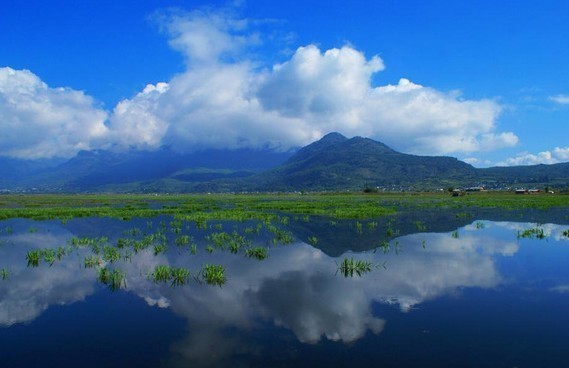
333, 137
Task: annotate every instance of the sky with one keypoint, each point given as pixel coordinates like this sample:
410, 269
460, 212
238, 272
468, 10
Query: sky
483, 81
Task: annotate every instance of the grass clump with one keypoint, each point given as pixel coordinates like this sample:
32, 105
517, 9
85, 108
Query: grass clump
536, 232
213, 274
114, 279
259, 253
350, 267
4, 273
177, 276
92, 261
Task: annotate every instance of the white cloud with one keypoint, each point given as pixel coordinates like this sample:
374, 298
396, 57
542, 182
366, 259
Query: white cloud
546, 157
38, 121
225, 99
560, 99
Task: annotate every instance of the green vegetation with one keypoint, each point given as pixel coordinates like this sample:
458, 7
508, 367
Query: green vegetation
259, 253
4, 273
114, 279
536, 232
189, 222
348, 267
213, 274
177, 276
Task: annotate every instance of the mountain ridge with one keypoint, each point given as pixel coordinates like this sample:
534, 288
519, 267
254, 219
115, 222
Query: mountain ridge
334, 162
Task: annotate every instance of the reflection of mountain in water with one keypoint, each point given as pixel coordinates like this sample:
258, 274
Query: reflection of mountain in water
337, 237
292, 300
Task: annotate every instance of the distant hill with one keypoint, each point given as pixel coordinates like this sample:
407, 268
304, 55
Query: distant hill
161, 170
336, 162
332, 163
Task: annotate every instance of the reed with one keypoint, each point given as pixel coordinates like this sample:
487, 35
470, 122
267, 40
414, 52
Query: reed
258, 253
213, 274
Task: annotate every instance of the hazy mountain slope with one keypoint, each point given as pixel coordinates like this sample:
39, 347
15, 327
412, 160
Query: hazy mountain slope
336, 162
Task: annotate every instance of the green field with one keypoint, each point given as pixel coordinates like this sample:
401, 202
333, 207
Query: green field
246, 206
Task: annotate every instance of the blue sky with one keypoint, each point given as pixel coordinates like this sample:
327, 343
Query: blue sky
483, 81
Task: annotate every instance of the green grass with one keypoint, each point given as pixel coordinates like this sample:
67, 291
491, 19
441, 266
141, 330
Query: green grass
350, 267
213, 274
259, 253
536, 232
4, 273
114, 279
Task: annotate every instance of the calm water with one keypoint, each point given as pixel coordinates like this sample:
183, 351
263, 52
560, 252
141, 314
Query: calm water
477, 295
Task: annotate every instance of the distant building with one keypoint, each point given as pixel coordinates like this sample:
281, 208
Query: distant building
475, 189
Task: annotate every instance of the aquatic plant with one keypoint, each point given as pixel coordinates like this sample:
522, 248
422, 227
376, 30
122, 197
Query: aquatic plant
536, 232
92, 261
455, 234
358, 227
479, 225
213, 274
180, 276
566, 233
111, 254
114, 279
371, 225
33, 258
259, 253
160, 248
348, 267
4, 273
161, 273
313, 240
390, 232
420, 225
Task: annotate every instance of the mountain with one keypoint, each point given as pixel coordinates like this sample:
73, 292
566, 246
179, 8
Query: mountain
332, 163
336, 162
161, 170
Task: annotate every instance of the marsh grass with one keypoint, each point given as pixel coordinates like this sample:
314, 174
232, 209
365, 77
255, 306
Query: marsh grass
213, 274
92, 261
350, 267
111, 254
420, 226
114, 279
455, 234
313, 240
536, 232
4, 273
258, 253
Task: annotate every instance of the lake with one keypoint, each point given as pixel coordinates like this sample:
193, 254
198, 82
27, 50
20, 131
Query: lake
435, 288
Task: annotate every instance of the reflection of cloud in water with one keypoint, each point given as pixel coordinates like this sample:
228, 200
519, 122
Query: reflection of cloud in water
312, 306
30, 291
562, 289
297, 288
552, 231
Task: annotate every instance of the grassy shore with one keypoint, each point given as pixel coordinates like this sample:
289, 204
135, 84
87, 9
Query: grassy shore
258, 206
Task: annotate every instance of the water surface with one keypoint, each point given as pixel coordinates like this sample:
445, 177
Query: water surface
481, 294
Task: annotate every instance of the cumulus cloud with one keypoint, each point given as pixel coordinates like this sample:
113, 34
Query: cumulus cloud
555, 156
227, 99
560, 99
38, 121
224, 99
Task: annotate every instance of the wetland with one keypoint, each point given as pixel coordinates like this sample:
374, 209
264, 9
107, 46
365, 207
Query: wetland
275, 280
